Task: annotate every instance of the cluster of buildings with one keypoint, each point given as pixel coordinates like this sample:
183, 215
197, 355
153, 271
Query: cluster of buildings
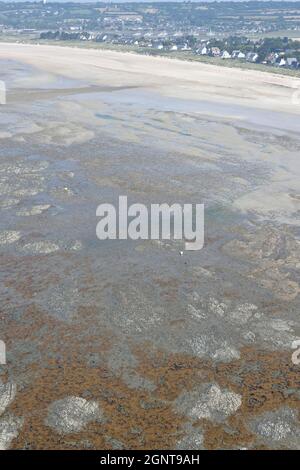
277, 59
214, 51
281, 60
209, 29
248, 52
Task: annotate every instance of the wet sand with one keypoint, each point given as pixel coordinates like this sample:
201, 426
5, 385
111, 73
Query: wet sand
171, 77
123, 344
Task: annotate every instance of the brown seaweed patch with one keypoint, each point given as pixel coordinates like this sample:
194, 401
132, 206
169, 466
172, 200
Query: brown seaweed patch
265, 380
129, 418
141, 418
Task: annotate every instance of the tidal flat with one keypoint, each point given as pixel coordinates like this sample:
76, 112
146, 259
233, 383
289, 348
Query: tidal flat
124, 344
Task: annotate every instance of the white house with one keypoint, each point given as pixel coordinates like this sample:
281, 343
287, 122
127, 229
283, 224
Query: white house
238, 55
186, 48
235, 54
225, 55
252, 57
282, 62
291, 62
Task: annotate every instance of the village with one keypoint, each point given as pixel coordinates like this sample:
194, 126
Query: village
269, 51
257, 32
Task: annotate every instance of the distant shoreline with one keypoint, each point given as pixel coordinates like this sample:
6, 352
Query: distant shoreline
183, 56
187, 80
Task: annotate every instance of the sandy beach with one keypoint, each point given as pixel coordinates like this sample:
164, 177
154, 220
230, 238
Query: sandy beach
139, 344
171, 77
